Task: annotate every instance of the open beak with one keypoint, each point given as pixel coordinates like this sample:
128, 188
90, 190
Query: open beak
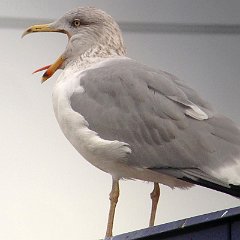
50, 69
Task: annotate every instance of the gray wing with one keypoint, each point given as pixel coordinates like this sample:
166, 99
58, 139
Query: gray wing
166, 123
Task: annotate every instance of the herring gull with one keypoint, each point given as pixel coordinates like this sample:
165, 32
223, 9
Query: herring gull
135, 122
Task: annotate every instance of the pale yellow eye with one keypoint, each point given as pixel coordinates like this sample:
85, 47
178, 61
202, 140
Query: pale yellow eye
76, 22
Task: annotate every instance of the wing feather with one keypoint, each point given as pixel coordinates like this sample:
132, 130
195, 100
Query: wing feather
163, 120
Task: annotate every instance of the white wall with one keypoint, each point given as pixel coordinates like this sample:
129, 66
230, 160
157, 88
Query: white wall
198, 11
47, 190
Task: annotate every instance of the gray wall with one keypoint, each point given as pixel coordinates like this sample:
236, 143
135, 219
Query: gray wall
47, 190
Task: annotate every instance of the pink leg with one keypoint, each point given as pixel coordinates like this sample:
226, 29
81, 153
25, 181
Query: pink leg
155, 197
114, 194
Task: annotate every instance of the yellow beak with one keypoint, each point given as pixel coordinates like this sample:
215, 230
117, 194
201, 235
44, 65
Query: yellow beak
51, 69
44, 28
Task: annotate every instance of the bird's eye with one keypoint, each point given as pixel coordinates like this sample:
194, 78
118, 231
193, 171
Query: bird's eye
76, 23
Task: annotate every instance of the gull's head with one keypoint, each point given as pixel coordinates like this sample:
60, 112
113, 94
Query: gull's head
91, 33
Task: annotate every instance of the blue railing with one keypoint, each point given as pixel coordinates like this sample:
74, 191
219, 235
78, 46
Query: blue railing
221, 225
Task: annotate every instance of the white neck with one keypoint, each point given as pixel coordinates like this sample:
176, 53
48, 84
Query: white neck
92, 56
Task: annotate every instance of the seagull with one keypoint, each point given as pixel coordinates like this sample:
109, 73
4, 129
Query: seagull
135, 122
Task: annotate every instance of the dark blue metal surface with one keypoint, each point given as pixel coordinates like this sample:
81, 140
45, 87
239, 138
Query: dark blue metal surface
221, 225
235, 230
214, 233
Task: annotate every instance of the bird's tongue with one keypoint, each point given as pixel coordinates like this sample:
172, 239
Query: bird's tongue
41, 69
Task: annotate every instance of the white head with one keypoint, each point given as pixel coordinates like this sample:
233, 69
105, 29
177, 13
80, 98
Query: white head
91, 33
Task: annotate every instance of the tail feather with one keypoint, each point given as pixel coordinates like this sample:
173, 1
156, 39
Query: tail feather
233, 190
198, 177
